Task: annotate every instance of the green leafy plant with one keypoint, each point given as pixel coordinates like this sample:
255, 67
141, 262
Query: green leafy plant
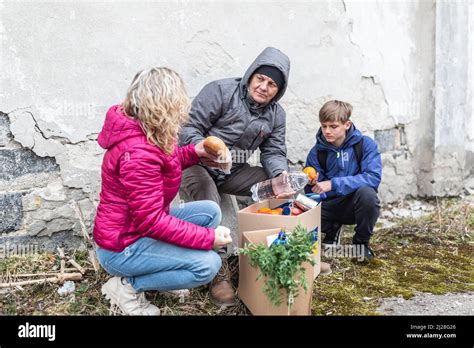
282, 263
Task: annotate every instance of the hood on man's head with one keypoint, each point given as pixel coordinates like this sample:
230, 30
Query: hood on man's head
272, 57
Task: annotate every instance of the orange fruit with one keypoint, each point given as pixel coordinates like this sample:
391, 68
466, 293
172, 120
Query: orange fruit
279, 210
310, 172
264, 210
273, 212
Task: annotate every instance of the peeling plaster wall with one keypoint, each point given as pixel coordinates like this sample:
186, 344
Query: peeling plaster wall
63, 64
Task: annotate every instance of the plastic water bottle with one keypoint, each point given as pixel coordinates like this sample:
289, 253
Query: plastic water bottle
285, 183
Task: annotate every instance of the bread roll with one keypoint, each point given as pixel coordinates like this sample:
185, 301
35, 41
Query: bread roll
215, 146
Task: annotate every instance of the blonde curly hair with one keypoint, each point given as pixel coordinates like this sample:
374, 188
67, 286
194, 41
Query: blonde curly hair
158, 99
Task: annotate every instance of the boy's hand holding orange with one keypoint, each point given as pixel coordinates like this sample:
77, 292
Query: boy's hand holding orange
312, 175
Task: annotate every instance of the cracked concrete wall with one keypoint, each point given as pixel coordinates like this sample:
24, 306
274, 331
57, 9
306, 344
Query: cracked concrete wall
453, 104
63, 64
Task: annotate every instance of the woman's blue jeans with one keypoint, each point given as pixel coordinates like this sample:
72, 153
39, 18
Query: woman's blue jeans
150, 264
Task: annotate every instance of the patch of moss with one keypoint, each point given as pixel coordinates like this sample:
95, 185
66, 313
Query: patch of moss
431, 254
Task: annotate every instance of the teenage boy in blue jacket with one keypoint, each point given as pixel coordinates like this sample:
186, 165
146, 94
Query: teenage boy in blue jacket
349, 171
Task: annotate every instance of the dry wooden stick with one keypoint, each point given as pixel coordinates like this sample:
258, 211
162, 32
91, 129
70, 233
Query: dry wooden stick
63, 259
87, 239
80, 216
76, 265
60, 278
94, 261
86, 269
44, 274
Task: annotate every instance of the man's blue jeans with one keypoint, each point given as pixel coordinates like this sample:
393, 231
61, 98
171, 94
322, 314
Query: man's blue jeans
150, 264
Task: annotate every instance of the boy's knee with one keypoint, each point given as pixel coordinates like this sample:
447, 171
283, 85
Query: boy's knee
367, 196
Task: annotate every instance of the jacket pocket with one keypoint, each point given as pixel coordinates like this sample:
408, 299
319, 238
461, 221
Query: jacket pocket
262, 135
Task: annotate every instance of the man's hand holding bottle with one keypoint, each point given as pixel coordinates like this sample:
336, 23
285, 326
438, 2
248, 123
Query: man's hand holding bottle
285, 195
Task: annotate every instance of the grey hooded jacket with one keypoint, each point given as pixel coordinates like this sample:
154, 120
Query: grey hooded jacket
222, 109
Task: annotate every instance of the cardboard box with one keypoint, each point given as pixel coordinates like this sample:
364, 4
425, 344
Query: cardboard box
250, 290
249, 219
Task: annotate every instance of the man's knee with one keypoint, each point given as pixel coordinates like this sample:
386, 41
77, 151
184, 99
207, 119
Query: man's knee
261, 175
367, 197
198, 185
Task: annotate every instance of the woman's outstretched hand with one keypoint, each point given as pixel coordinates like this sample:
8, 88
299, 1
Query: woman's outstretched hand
201, 152
222, 161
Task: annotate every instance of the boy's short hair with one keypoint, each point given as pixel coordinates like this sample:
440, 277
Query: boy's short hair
335, 111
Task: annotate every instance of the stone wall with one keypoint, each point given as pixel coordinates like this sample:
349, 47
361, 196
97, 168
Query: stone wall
35, 207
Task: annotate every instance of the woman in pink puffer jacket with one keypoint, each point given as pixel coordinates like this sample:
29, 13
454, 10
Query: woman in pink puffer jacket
142, 241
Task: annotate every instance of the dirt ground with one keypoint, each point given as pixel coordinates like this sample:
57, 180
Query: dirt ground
429, 304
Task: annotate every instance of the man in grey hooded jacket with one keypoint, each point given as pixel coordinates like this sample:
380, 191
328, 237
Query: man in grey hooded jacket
245, 114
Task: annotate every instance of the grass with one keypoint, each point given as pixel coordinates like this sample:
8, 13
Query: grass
430, 254
43, 299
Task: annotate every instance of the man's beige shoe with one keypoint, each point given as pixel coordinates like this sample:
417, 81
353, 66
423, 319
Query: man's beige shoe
221, 291
122, 295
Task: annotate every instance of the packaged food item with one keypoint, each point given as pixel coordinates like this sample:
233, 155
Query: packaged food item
305, 203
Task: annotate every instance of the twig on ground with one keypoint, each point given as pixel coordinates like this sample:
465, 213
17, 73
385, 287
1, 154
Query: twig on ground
89, 242
76, 265
60, 278
63, 259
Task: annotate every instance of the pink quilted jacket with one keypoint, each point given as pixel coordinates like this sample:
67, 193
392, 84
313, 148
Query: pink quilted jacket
139, 181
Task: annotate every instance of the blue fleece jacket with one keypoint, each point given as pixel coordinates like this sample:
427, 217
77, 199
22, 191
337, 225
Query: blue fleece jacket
342, 166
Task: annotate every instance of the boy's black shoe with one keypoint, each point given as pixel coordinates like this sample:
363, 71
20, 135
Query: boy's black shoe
332, 238
363, 252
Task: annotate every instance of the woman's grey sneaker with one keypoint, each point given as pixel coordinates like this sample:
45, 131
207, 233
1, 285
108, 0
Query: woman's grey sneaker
130, 302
